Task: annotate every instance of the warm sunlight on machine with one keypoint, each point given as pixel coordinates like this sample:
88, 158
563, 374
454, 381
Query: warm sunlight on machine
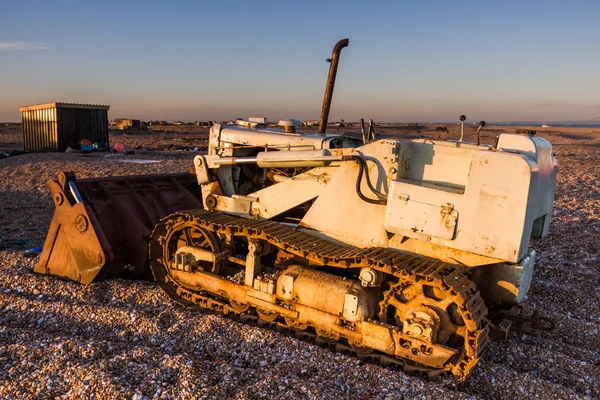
399, 250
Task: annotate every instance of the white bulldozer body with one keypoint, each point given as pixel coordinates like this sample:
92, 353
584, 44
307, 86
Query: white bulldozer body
460, 203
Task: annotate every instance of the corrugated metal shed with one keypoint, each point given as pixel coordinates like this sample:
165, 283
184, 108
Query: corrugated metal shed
56, 126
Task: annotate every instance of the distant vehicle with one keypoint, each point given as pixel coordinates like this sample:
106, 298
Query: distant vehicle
546, 126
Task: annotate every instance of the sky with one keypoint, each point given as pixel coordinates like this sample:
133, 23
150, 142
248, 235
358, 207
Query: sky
413, 61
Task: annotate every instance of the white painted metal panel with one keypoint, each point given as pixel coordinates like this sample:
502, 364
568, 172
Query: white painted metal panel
340, 214
276, 199
421, 220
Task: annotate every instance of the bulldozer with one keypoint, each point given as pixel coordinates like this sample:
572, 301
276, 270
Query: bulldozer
405, 252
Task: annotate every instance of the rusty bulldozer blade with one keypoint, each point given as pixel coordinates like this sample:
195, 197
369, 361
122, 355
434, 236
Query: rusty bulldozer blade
101, 227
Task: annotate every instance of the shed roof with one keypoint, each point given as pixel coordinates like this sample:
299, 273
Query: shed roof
64, 105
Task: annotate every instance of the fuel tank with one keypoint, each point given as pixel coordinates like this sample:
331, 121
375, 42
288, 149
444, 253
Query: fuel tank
330, 293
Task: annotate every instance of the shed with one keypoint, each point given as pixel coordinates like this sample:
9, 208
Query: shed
56, 126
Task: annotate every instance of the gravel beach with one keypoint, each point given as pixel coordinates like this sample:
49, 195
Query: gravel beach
126, 340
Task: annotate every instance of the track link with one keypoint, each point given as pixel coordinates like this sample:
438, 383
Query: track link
404, 267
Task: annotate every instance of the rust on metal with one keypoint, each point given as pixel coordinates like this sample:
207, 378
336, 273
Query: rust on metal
106, 234
412, 329
504, 320
334, 61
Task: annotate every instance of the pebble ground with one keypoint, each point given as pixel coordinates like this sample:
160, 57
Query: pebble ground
126, 340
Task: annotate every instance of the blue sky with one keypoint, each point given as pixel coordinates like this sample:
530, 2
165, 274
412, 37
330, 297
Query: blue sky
407, 61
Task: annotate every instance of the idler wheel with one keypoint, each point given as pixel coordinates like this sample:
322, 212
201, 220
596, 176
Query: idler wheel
266, 316
238, 307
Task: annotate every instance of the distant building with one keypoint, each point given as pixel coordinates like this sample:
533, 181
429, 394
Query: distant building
57, 126
124, 123
260, 120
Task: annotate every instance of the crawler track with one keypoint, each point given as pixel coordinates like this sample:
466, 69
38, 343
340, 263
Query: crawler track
404, 269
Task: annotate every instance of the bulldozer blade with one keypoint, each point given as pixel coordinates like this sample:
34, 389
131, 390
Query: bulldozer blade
101, 226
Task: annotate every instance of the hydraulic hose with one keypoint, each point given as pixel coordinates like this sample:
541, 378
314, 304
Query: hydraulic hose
364, 170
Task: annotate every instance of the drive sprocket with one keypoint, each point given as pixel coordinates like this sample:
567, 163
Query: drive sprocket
435, 307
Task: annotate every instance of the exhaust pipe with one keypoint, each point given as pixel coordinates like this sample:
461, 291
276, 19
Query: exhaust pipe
334, 60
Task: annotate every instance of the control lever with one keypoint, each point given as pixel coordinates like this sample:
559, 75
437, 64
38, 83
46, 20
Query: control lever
371, 130
481, 125
362, 131
462, 127
369, 135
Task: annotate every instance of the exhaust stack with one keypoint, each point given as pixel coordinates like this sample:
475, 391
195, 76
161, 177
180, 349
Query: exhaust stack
334, 60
